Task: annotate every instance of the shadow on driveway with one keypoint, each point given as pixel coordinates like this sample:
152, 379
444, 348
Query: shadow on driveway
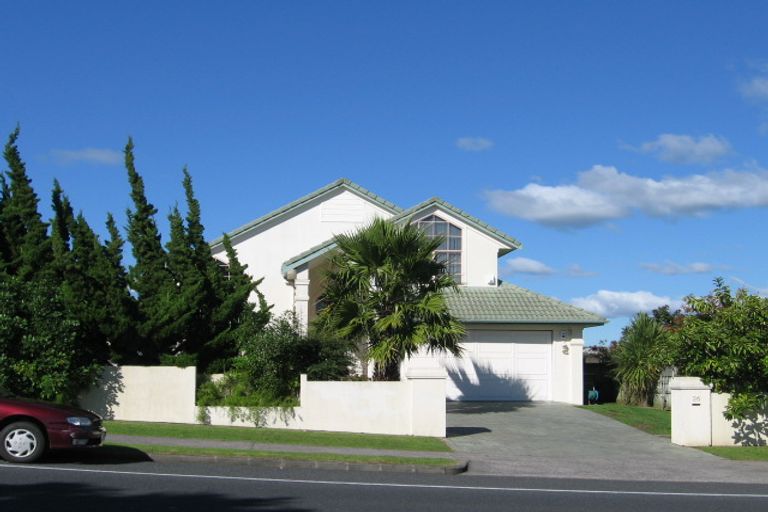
464, 431
485, 407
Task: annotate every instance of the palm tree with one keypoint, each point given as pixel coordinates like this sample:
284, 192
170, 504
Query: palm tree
640, 356
384, 289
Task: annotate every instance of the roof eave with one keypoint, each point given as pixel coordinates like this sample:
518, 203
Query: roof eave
533, 322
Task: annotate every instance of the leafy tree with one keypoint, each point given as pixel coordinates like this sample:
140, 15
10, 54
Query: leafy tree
724, 340
670, 320
40, 351
384, 287
639, 357
27, 249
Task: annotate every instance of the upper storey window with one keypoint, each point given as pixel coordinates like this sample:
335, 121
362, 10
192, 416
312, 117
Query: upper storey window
449, 252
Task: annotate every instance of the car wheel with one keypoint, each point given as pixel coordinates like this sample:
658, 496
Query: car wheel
22, 442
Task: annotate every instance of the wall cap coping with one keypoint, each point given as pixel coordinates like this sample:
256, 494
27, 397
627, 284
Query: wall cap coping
688, 383
426, 373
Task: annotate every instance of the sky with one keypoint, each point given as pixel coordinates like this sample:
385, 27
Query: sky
623, 143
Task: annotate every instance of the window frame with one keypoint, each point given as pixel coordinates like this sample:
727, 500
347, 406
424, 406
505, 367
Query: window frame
429, 222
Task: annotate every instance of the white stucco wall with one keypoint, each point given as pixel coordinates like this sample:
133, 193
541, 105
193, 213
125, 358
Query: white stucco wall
698, 418
568, 364
144, 393
481, 258
266, 248
412, 406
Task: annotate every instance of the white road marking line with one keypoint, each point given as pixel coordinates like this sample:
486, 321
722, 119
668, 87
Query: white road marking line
386, 484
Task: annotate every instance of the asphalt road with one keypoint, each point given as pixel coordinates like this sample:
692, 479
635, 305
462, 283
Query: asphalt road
64, 486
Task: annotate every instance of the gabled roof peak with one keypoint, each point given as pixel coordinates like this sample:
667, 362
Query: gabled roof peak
341, 183
484, 227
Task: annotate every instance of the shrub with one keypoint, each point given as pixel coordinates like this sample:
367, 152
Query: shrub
640, 356
270, 362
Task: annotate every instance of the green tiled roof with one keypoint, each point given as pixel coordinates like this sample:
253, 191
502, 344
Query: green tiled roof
342, 183
464, 216
514, 305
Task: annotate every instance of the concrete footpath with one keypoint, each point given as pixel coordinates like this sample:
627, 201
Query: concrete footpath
279, 461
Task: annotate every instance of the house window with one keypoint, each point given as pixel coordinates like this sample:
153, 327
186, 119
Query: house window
449, 252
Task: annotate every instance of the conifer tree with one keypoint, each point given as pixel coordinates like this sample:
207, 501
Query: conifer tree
210, 276
187, 326
5, 252
119, 327
61, 225
234, 318
195, 230
25, 235
148, 277
84, 292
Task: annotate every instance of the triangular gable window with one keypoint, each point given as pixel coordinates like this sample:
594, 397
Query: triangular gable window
449, 251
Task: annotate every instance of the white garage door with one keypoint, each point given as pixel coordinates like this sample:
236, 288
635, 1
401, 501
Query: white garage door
501, 365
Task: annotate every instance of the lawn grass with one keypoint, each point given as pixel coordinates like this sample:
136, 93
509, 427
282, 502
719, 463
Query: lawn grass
322, 457
648, 419
738, 452
278, 436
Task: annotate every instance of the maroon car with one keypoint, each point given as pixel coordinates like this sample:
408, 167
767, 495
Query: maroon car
29, 428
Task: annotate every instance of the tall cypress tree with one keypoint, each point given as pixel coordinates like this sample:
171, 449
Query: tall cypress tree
234, 317
61, 226
149, 276
195, 230
84, 290
5, 249
210, 276
187, 325
28, 247
120, 323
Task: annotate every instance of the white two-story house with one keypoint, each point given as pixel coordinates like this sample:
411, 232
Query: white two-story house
520, 345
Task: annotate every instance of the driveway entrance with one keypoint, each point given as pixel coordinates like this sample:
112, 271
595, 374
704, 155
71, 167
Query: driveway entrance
559, 440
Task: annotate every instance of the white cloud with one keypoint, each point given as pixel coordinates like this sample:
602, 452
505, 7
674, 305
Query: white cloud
474, 143
611, 304
756, 89
568, 205
528, 266
671, 268
604, 193
87, 155
685, 149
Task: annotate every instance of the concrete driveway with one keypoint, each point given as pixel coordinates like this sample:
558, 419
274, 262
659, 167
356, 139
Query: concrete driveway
559, 440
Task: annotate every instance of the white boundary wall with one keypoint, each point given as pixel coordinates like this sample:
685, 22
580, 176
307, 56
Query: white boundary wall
412, 406
144, 393
698, 420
